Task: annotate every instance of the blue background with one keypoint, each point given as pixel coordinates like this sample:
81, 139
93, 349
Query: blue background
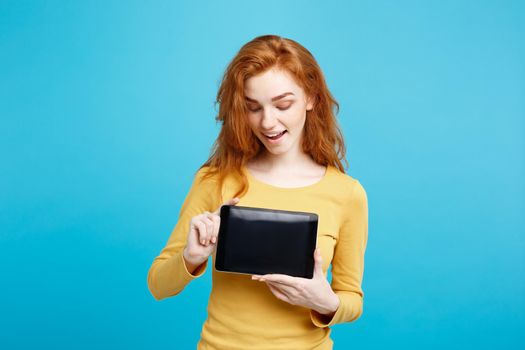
107, 110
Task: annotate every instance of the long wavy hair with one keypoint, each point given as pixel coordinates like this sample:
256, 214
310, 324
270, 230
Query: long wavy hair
236, 143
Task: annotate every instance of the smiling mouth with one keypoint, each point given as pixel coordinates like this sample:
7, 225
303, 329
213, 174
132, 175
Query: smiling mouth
276, 137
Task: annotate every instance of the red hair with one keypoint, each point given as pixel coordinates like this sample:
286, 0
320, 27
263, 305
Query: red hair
236, 143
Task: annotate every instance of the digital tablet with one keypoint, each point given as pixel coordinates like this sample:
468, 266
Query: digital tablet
261, 241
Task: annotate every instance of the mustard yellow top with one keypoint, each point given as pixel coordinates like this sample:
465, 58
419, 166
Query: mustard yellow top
243, 313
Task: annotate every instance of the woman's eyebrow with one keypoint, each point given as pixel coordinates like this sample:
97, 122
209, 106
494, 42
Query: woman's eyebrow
273, 98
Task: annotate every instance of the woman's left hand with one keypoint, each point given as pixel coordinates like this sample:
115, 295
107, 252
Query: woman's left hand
314, 293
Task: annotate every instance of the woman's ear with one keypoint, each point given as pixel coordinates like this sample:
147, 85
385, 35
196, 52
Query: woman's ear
309, 103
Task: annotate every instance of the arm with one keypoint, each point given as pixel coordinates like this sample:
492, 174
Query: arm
348, 262
170, 273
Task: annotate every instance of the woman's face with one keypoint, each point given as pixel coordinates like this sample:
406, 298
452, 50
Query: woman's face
276, 104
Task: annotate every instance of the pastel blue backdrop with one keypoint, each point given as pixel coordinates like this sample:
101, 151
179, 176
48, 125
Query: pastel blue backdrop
107, 110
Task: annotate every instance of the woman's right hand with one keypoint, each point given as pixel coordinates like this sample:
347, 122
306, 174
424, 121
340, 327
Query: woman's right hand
202, 237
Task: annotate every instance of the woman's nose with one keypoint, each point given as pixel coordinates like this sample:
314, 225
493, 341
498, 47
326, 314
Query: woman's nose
268, 119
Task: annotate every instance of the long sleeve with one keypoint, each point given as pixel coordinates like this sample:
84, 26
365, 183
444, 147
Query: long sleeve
348, 261
168, 274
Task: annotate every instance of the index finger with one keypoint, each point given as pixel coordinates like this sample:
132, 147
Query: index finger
280, 278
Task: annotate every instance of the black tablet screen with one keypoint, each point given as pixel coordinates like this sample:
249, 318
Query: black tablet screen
261, 240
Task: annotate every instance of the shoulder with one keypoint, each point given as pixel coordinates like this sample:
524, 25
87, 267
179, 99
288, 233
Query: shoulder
204, 189
205, 174
351, 188
204, 181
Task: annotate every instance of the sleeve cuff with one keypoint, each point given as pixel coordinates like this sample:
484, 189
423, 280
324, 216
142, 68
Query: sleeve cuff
199, 271
350, 309
322, 321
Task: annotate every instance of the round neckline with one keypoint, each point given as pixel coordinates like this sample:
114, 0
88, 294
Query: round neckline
267, 185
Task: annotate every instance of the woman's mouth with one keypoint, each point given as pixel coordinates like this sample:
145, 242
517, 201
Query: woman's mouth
276, 138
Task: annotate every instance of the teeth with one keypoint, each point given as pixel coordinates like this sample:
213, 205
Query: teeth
273, 134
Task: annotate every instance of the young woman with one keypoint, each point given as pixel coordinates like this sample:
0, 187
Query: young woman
279, 147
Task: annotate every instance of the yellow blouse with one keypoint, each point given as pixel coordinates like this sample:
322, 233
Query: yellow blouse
243, 313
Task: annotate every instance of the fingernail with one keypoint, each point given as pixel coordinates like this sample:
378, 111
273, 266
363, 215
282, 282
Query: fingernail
213, 239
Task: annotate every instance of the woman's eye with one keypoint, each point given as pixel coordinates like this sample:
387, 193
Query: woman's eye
281, 108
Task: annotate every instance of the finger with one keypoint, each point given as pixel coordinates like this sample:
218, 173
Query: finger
210, 227
205, 226
216, 224
318, 261
288, 289
279, 278
201, 230
232, 201
279, 294
283, 288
